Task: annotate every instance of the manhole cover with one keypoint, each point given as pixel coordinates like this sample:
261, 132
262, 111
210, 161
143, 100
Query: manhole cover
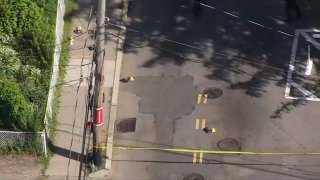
213, 92
193, 176
126, 125
229, 144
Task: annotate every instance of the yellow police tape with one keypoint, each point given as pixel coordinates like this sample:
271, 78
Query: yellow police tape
205, 151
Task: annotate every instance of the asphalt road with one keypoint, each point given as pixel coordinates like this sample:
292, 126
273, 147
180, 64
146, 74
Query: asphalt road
241, 51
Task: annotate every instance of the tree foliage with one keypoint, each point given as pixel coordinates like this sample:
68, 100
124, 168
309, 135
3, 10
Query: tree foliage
15, 109
27, 32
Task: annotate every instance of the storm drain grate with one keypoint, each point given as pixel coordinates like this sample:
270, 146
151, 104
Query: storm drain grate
126, 125
213, 92
193, 176
229, 144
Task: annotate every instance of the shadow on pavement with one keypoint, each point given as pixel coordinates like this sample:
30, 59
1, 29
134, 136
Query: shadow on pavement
67, 153
229, 38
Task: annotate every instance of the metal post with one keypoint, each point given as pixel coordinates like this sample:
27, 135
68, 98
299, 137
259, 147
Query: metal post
44, 139
99, 81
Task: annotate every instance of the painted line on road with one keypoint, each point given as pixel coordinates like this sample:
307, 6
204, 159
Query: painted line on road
285, 33
194, 159
303, 98
245, 19
303, 90
290, 83
199, 98
291, 64
230, 14
203, 124
205, 98
256, 23
310, 40
197, 123
200, 158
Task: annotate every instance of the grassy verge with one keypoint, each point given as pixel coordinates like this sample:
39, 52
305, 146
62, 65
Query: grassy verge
64, 54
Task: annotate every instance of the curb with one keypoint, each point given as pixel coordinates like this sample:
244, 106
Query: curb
115, 89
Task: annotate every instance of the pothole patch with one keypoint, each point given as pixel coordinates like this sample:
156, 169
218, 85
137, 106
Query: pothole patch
213, 92
126, 125
229, 144
193, 176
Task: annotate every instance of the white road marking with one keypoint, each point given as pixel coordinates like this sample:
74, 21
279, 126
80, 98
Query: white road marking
310, 39
291, 66
303, 98
231, 14
285, 33
204, 5
256, 23
303, 90
309, 63
316, 35
290, 82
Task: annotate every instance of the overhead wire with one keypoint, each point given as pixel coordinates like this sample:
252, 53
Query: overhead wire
77, 91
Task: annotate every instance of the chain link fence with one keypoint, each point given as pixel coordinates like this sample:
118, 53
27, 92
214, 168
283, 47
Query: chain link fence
13, 139
56, 60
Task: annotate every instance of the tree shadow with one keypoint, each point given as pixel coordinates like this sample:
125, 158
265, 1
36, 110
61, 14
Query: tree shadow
230, 39
287, 107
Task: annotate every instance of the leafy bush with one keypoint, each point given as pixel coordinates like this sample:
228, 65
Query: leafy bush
27, 34
15, 110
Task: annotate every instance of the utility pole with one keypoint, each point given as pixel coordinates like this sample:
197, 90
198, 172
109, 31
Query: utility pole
99, 81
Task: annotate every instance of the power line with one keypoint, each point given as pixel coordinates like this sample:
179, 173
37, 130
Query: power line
76, 105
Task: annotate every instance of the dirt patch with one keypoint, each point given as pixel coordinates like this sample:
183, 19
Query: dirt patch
18, 167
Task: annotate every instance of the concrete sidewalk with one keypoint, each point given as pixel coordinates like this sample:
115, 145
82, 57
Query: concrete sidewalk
69, 133
67, 145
